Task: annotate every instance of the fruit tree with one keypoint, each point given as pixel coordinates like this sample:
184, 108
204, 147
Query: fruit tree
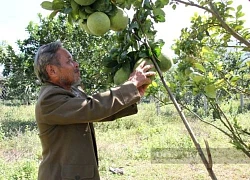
200, 51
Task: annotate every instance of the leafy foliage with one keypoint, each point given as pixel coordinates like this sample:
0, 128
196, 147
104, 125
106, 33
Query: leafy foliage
213, 47
87, 50
138, 40
135, 42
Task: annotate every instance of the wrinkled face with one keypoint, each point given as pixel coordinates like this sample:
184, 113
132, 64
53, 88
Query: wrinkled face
68, 72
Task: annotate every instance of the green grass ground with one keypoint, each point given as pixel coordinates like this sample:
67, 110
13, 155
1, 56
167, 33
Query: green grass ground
127, 144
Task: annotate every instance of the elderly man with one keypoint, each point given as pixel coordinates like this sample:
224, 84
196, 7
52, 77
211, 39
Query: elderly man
65, 114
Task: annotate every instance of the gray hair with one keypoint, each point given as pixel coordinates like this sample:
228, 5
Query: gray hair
46, 55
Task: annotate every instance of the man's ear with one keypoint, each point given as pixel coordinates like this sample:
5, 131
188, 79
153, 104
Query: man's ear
51, 70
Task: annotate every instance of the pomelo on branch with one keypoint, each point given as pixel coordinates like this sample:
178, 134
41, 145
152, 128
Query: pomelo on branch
121, 75
84, 2
165, 62
119, 21
148, 62
98, 23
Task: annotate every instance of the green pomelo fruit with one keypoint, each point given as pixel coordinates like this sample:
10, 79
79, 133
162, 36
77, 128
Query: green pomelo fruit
119, 21
84, 27
148, 62
98, 23
85, 2
196, 77
121, 76
165, 62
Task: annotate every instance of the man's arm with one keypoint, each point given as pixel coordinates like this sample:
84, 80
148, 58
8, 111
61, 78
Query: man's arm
56, 106
131, 110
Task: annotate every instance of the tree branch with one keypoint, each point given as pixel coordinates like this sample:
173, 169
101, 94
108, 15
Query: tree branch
215, 13
226, 27
193, 4
206, 122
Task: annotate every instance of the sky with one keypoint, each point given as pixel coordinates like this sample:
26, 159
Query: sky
16, 15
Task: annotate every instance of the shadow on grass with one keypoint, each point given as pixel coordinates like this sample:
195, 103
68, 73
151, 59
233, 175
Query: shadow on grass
14, 127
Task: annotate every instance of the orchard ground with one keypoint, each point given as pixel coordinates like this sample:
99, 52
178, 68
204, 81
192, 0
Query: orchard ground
127, 143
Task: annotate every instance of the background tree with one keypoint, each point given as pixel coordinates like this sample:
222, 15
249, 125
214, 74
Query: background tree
87, 50
210, 63
212, 66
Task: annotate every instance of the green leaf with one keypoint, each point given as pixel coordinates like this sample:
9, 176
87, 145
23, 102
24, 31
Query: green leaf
74, 15
74, 5
205, 49
229, 2
70, 19
161, 3
146, 4
235, 78
159, 15
174, 7
237, 28
154, 84
239, 8
53, 14
123, 55
199, 67
246, 76
248, 62
89, 10
47, 5
210, 76
230, 8
83, 15
246, 49
239, 14
57, 5
210, 91
134, 25
157, 50
143, 54
196, 76
67, 10
219, 82
109, 63
219, 66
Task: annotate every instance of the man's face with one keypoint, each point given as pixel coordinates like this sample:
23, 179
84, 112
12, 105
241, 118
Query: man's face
68, 72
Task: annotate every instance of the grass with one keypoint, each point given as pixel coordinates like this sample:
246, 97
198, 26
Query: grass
127, 143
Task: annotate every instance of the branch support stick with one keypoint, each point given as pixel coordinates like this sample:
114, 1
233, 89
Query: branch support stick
189, 129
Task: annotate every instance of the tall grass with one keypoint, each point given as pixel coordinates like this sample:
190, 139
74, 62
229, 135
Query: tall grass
126, 143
